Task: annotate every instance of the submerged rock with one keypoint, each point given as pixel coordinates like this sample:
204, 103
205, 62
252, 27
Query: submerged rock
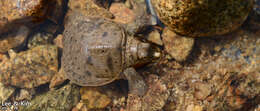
6, 92
179, 47
13, 39
155, 37
93, 98
28, 12
122, 13
58, 79
25, 94
30, 68
257, 7
227, 70
62, 99
40, 38
196, 18
58, 41
88, 8
154, 100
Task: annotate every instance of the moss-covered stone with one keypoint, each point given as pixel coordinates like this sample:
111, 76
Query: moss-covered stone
31, 68
62, 99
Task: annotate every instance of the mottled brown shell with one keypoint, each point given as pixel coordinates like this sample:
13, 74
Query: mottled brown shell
92, 53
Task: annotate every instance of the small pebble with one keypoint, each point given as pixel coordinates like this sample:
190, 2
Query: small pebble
122, 13
25, 94
93, 98
5, 92
179, 47
202, 90
155, 37
40, 38
58, 41
193, 107
57, 79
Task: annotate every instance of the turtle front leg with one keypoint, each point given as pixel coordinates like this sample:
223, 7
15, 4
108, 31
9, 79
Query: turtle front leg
136, 83
137, 89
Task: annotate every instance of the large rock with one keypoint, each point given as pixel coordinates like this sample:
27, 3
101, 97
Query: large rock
198, 18
30, 68
28, 12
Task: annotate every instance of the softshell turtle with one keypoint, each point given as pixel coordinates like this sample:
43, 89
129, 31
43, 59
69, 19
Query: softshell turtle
98, 51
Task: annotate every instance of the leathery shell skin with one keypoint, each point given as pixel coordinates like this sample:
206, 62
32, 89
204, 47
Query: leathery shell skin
92, 54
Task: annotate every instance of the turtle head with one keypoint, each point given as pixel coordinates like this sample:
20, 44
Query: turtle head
138, 52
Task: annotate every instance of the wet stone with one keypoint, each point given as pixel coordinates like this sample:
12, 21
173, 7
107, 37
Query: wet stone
93, 98
88, 8
13, 39
80, 107
179, 47
40, 38
155, 37
122, 13
193, 107
30, 68
257, 6
28, 12
203, 18
25, 94
63, 99
159, 90
2, 56
154, 100
6, 92
202, 90
58, 41
58, 79
229, 69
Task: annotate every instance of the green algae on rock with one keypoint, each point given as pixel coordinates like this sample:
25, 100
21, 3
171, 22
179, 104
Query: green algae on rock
30, 68
62, 99
196, 18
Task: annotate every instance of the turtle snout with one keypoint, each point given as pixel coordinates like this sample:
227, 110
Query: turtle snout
146, 50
